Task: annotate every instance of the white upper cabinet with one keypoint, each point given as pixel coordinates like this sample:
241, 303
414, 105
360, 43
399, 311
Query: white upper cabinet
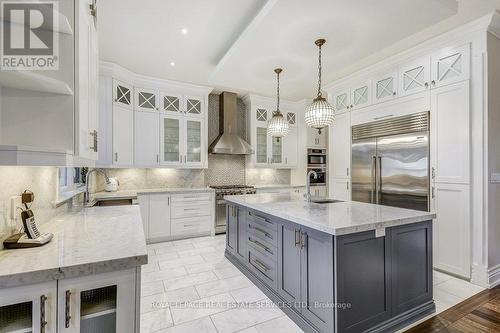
361, 95
195, 147
340, 146
414, 76
146, 143
342, 101
316, 139
171, 102
123, 137
291, 117
276, 151
123, 94
146, 99
450, 66
290, 147
171, 136
450, 133
194, 106
385, 87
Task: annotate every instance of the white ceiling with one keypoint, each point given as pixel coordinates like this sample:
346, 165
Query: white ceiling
235, 45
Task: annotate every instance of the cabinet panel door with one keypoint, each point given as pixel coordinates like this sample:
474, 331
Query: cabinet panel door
450, 133
147, 139
194, 148
97, 303
414, 77
452, 228
231, 228
194, 106
261, 154
146, 99
123, 136
171, 102
123, 94
241, 243
342, 101
363, 280
385, 87
411, 284
290, 148
340, 189
449, 66
317, 279
24, 308
340, 143
361, 95
171, 140
289, 262
159, 215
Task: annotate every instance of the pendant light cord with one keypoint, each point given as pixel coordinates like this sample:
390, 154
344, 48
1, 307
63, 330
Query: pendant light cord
278, 94
319, 70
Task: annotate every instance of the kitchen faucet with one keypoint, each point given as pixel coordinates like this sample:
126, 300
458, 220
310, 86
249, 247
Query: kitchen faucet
308, 184
86, 194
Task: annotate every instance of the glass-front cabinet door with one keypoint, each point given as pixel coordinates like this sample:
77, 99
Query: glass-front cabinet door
342, 101
194, 106
385, 87
414, 77
276, 150
146, 99
122, 94
171, 140
171, 102
29, 309
361, 95
261, 156
450, 66
104, 303
194, 142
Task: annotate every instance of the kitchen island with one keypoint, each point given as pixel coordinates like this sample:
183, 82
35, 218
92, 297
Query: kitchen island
334, 267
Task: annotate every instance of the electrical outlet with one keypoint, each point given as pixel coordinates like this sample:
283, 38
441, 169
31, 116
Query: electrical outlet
15, 202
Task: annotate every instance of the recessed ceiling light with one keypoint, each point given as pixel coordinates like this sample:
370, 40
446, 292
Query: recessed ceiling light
184, 31
172, 64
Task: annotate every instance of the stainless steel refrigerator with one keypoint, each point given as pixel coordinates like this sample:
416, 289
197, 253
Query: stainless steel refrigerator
390, 162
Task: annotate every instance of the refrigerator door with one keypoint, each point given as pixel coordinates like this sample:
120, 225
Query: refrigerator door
363, 155
403, 170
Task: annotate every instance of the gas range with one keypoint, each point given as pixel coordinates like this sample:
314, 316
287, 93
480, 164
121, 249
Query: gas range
220, 203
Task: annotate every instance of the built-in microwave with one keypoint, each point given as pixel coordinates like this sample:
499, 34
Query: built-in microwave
316, 158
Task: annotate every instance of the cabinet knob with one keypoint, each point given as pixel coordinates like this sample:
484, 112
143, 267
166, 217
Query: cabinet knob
433, 82
394, 94
426, 84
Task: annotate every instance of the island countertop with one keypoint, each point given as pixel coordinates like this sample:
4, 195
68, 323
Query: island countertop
340, 218
90, 241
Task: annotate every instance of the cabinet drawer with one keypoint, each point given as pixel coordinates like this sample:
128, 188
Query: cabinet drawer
264, 268
190, 197
262, 219
181, 210
268, 235
263, 247
190, 225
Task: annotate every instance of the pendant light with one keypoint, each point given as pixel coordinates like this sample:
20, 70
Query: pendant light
278, 127
320, 113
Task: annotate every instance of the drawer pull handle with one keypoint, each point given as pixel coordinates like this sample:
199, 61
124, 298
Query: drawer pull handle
188, 225
258, 217
260, 266
260, 245
191, 208
261, 231
67, 315
43, 321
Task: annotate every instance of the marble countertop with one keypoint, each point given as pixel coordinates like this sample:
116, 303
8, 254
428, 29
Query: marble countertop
128, 194
277, 186
339, 218
90, 241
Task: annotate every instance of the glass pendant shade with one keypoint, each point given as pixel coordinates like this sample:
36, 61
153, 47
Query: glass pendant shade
320, 113
278, 126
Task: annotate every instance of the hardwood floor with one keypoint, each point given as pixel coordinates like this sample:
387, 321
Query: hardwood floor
480, 313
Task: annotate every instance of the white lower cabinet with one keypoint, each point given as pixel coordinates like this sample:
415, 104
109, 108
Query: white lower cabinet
31, 308
451, 239
340, 189
159, 216
98, 303
123, 136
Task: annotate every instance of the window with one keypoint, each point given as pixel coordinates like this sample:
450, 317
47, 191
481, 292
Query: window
70, 179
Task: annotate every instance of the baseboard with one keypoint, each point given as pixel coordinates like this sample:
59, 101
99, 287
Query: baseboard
405, 319
494, 277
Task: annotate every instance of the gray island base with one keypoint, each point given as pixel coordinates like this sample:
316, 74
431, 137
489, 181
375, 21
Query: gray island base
334, 267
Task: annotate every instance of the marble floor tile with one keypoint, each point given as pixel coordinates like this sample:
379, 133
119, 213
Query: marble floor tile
159, 245
249, 294
227, 272
222, 286
278, 325
172, 263
154, 302
192, 252
213, 257
203, 325
152, 266
182, 295
199, 268
155, 320
249, 330
166, 274
163, 256
151, 288
189, 280
444, 297
164, 250
460, 288
201, 308
240, 318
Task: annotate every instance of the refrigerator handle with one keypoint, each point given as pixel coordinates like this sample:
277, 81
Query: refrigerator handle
379, 192
374, 181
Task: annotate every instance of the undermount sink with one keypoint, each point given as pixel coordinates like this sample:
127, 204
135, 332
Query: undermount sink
324, 200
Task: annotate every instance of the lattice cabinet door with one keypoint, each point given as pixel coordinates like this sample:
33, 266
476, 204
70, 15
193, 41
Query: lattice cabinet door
262, 115
194, 106
291, 117
385, 87
450, 66
123, 94
342, 101
361, 95
414, 77
146, 99
171, 102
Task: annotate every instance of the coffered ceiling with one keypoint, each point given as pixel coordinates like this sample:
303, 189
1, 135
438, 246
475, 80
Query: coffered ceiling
235, 45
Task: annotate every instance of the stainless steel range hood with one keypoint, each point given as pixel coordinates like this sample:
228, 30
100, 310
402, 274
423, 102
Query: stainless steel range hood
228, 141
